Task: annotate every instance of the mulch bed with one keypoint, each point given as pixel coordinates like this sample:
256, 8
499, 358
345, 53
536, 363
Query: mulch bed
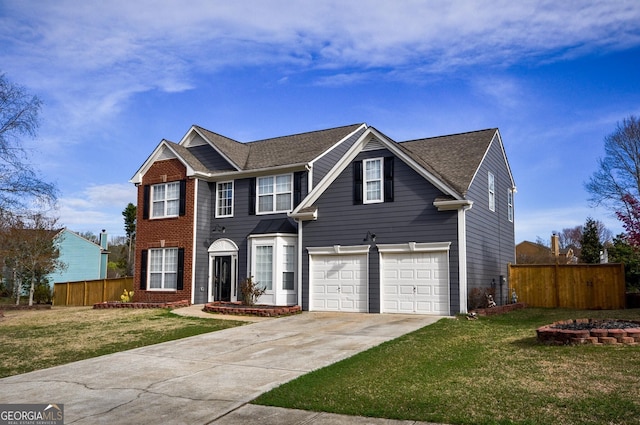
500, 309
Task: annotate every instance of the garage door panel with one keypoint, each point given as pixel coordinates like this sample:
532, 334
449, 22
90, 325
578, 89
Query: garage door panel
339, 282
415, 282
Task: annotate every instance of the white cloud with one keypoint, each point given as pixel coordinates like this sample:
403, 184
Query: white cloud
98, 205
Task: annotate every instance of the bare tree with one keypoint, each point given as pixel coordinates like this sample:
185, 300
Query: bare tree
19, 183
28, 248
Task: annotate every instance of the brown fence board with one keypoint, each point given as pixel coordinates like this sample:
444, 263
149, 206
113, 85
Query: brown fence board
581, 286
89, 292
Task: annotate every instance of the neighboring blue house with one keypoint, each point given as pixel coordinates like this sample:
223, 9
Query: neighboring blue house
85, 260
343, 219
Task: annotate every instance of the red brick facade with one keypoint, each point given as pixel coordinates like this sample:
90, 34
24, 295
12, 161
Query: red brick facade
174, 232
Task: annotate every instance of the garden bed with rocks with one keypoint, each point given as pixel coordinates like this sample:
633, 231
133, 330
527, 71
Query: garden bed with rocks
237, 308
589, 331
119, 304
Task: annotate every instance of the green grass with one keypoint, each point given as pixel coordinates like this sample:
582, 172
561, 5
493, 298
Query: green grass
32, 340
488, 371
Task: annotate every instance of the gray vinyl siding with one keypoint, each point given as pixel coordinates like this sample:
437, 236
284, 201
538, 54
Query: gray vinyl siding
410, 218
203, 229
210, 158
326, 163
237, 228
490, 234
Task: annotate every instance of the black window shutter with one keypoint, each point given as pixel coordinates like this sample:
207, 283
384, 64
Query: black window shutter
183, 197
297, 188
357, 183
252, 196
143, 270
146, 197
388, 179
180, 276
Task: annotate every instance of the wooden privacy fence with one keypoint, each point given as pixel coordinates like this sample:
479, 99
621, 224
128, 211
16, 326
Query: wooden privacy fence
89, 292
580, 286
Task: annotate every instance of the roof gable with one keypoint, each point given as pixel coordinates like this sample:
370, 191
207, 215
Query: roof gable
454, 158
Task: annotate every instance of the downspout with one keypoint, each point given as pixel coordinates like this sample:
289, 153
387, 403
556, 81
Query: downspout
462, 255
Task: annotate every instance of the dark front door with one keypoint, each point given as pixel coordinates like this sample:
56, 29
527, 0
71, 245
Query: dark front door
222, 278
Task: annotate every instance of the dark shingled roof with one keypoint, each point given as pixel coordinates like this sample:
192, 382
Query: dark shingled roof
285, 150
188, 157
454, 158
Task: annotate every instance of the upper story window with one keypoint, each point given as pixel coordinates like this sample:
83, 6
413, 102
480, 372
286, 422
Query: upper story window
165, 200
372, 180
510, 205
492, 192
275, 194
224, 199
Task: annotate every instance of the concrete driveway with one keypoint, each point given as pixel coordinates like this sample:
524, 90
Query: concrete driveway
199, 380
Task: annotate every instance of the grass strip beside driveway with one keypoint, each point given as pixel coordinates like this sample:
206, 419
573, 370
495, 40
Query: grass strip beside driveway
487, 371
37, 339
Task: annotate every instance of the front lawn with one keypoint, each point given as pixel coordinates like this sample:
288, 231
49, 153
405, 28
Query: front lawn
36, 339
486, 371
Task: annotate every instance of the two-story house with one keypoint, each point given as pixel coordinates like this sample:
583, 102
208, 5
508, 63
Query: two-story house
344, 219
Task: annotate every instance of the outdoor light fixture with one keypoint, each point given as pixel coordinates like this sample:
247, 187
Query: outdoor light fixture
371, 237
219, 229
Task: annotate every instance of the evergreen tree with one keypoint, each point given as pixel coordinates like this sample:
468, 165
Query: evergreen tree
590, 243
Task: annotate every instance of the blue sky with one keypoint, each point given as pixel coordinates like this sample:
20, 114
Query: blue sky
117, 77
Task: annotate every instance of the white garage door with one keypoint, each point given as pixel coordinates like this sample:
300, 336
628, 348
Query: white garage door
415, 282
339, 283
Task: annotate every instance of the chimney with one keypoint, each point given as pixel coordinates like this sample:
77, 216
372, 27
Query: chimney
555, 245
103, 240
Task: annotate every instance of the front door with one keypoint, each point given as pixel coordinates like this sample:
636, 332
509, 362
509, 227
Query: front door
222, 278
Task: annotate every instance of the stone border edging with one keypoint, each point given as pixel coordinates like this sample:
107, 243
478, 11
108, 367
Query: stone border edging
554, 336
257, 310
117, 304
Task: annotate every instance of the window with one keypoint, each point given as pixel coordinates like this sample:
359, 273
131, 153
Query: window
163, 268
492, 192
288, 266
372, 180
165, 200
510, 205
274, 194
224, 199
264, 266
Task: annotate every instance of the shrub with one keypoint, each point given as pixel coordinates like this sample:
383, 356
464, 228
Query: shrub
251, 291
42, 294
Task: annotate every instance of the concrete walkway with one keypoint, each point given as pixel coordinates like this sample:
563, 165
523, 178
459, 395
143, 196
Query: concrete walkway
210, 378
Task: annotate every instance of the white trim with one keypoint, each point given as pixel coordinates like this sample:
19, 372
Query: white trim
504, 157
491, 190
158, 152
299, 288
452, 205
193, 250
462, 257
365, 200
414, 247
223, 247
348, 136
338, 249
165, 200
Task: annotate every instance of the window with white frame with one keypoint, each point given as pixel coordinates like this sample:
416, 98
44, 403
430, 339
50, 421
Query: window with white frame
288, 267
163, 268
492, 192
224, 199
165, 200
273, 263
510, 205
372, 180
275, 194
264, 266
